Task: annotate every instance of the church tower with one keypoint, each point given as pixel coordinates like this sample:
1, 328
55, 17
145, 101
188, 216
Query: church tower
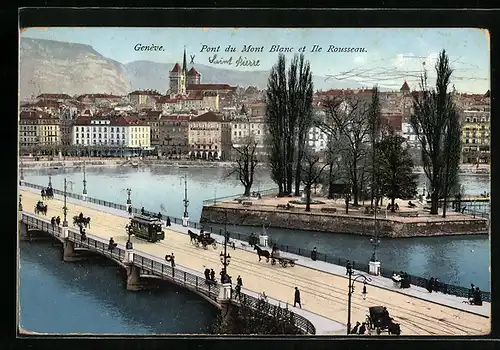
177, 77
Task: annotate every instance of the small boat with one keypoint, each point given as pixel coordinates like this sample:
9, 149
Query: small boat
135, 164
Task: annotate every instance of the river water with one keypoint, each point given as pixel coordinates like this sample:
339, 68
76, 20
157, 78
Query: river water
91, 294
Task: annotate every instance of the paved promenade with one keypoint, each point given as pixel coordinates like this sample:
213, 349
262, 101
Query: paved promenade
323, 286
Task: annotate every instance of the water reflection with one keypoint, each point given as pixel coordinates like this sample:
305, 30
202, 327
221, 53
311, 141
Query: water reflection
90, 297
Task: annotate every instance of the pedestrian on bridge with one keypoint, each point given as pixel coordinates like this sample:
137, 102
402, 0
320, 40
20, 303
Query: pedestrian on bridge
168, 221
296, 299
348, 267
143, 211
212, 275
172, 260
58, 220
207, 275
239, 281
130, 210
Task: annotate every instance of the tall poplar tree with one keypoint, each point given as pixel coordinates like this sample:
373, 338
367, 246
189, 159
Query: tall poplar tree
434, 121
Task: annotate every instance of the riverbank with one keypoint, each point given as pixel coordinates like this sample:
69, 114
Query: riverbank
330, 216
74, 162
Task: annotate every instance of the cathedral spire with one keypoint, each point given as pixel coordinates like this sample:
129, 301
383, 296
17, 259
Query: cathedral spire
184, 65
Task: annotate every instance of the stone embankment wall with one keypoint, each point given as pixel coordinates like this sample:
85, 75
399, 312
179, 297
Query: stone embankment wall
341, 223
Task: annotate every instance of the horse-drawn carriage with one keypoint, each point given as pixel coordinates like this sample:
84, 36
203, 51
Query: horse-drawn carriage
203, 238
380, 321
41, 208
80, 220
274, 256
47, 193
146, 227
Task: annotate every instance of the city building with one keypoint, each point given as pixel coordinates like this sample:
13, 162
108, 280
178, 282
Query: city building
111, 135
243, 126
393, 121
152, 119
143, 98
174, 138
202, 101
476, 135
317, 139
209, 137
56, 97
101, 99
38, 130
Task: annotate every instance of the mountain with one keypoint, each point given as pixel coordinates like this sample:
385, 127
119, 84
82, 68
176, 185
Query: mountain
48, 66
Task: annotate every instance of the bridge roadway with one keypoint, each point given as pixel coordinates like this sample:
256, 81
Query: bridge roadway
322, 293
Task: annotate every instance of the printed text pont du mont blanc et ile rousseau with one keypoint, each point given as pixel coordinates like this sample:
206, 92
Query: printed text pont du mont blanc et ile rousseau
244, 61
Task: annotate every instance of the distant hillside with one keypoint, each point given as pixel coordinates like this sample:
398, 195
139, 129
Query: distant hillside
153, 75
48, 66
59, 67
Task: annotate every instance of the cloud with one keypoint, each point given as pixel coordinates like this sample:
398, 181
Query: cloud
359, 59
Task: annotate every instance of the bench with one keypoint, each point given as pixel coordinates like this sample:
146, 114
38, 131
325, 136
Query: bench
247, 203
328, 210
284, 206
408, 214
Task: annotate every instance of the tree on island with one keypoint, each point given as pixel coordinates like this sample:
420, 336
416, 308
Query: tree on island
395, 169
246, 161
288, 118
348, 125
311, 172
436, 123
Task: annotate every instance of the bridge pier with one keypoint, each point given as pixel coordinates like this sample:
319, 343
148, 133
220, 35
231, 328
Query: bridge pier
227, 308
69, 253
134, 280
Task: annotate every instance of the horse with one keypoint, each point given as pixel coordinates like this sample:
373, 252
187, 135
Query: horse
40, 208
49, 193
193, 236
86, 221
262, 253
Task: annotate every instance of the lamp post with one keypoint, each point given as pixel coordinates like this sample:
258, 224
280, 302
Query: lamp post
50, 181
225, 258
185, 217
350, 272
65, 208
21, 170
129, 202
84, 181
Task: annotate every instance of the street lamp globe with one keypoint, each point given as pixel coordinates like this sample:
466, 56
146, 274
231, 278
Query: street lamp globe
221, 257
228, 259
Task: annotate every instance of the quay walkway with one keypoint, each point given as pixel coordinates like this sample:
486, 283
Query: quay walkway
323, 286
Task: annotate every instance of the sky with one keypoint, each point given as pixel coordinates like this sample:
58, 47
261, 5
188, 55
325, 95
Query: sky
385, 56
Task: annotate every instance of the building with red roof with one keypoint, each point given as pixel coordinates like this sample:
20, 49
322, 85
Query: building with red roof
38, 128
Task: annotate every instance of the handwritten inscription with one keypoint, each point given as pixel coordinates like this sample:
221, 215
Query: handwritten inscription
239, 62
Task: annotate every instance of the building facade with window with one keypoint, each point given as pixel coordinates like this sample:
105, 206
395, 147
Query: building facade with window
38, 129
243, 126
476, 135
109, 133
209, 137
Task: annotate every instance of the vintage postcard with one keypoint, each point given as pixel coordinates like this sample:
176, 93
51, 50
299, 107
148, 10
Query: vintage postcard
254, 181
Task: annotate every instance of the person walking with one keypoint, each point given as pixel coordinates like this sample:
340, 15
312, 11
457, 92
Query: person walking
347, 267
212, 275
364, 290
296, 299
239, 281
314, 254
168, 221
355, 328
172, 260
207, 275
362, 329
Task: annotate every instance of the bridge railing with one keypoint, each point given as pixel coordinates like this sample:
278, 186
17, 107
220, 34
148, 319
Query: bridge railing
225, 198
415, 280
298, 321
97, 244
41, 224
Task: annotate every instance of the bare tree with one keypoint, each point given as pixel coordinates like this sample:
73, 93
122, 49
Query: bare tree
349, 125
246, 161
311, 171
